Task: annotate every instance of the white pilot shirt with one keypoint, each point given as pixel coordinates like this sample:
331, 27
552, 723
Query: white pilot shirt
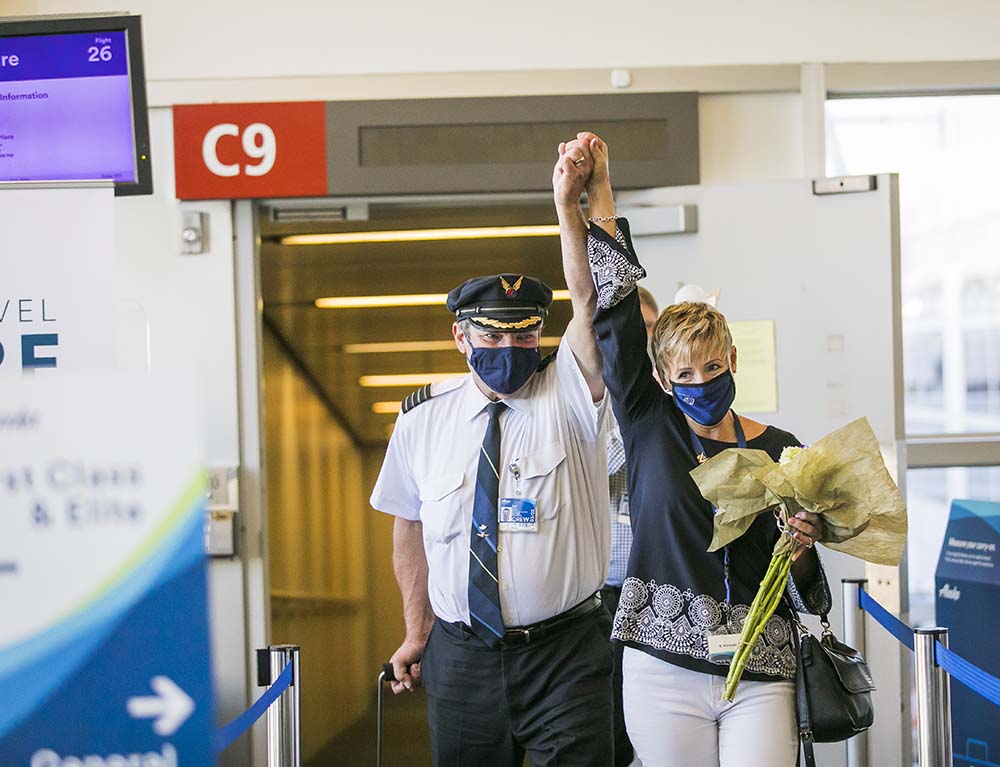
555, 434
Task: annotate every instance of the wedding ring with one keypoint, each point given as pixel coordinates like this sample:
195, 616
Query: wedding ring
578, 162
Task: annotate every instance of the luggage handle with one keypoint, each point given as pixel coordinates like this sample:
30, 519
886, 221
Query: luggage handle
388, 673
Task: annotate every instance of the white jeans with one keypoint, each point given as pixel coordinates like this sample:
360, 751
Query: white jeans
676, 717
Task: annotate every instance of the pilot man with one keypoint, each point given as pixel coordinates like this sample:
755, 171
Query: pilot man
498, 481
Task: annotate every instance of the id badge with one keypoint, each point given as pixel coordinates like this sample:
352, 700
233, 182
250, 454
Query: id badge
518, 515
722, 647
622, 517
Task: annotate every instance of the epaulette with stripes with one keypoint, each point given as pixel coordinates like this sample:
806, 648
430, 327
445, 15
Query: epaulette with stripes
418, 397
546, 361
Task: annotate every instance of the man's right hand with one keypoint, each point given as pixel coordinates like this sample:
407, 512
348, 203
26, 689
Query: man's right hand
406, 665
569, 177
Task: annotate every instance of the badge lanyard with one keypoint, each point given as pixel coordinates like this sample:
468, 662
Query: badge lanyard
699, 451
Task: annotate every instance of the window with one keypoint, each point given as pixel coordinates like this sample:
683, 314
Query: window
947, 153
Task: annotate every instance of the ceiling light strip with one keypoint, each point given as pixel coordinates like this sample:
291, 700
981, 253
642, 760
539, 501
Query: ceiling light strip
422, 235
405, 379
386, 408
373, 302
403, 299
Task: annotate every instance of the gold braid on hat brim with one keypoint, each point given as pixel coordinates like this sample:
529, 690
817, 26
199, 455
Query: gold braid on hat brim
501, 325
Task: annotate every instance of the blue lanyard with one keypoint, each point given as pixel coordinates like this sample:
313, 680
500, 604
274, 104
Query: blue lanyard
699, 451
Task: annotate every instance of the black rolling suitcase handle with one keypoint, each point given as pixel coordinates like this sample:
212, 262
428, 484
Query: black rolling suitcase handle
387, 674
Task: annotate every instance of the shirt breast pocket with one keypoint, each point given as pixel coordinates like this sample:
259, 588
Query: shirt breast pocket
538, 477
441, 510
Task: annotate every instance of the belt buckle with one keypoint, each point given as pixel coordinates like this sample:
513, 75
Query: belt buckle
524, 633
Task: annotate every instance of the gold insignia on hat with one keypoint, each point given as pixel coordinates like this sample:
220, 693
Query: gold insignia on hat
511, 290
501, 325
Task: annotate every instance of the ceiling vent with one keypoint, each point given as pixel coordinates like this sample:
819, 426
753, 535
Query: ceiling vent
312, 214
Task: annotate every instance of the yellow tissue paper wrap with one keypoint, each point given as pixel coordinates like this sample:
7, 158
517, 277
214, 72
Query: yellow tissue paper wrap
842, 477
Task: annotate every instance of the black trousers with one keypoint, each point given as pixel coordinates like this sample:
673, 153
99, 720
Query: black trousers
623, 746
550, 698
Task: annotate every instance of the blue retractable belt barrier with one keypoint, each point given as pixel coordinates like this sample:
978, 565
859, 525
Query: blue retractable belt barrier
971, 676
887, 620
224, 736
958, 667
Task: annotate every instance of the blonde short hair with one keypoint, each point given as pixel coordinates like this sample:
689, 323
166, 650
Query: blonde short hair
685, 329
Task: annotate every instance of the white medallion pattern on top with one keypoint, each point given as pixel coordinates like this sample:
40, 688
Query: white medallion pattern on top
614, 275
663, 617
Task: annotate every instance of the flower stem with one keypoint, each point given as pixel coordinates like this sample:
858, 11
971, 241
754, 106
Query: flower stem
764, 604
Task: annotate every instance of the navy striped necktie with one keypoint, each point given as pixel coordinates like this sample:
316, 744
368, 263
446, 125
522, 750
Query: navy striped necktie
485, 617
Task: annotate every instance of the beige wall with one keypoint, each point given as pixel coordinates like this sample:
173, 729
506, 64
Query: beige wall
223, 39
750, 137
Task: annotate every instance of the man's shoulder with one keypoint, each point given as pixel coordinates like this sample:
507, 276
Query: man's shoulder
435, 392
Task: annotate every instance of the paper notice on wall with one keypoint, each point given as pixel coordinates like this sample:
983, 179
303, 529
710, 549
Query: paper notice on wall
56, 310
756, 367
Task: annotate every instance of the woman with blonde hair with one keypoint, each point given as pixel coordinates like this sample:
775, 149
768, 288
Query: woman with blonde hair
681, 606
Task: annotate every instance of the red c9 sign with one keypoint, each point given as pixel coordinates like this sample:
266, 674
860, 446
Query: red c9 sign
250, 150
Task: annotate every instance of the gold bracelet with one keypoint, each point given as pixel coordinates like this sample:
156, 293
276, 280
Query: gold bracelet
599, 219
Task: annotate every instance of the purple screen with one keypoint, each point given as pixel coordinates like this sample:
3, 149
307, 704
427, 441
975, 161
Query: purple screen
66, 108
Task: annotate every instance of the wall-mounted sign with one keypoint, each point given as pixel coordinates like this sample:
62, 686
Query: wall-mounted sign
56, 312
967, 581
426, 146
104, 651
250, 150
73, 102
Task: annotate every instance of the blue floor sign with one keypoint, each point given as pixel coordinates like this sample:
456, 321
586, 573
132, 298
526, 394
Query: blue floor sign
104, 652
968, 587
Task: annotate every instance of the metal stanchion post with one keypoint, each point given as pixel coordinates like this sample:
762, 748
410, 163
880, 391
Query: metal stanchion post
854, 635
284, 738
933, 700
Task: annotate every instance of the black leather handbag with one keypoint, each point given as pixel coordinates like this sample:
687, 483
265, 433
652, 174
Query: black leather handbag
833, 690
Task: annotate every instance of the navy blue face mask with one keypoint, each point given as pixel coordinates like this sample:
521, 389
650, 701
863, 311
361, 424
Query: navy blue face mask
504, 369
709, 402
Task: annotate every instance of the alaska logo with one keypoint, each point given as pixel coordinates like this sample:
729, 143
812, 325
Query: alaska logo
689, 400
947, 592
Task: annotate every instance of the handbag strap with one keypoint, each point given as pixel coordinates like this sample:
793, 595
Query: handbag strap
801, 699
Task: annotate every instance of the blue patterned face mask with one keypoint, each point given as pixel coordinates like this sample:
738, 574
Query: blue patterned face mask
505, 369
709, 402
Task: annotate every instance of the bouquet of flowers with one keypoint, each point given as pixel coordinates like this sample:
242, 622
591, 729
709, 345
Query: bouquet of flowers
842, 477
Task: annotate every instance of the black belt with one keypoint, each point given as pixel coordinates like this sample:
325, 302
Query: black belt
519, 635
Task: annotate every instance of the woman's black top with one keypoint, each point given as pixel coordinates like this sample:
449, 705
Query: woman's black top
674, 590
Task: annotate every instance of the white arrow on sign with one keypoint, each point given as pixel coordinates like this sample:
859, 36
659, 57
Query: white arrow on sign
171, 706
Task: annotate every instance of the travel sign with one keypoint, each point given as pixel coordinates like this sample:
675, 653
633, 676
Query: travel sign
104, 647
56, 312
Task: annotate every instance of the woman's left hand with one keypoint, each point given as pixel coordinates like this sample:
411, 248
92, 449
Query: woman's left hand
807, 530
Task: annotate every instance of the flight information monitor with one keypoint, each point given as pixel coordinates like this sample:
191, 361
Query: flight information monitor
73, 102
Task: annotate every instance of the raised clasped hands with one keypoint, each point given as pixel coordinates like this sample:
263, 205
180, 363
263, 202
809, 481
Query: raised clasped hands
572, 171
582, 166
